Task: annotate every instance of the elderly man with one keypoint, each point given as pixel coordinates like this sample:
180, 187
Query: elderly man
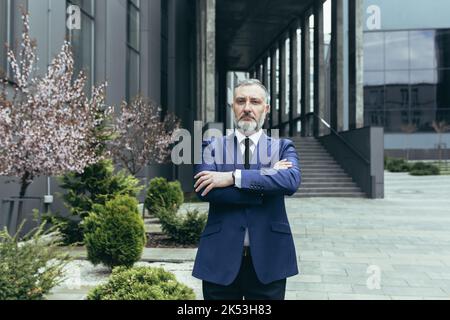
246, 250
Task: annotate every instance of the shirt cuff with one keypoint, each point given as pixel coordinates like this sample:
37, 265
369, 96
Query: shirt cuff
237, 179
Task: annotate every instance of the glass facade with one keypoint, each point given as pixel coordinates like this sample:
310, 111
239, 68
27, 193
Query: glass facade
407, 79
82, 40
164, 54
3, 33
133, 49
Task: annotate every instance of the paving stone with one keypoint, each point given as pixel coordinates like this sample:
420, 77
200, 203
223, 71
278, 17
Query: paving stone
414, 291
356, 296
337, 239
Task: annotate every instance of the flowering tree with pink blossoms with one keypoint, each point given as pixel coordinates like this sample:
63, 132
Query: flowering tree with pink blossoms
142, 135
48, 125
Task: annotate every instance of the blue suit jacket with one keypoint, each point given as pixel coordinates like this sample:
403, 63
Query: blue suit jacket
258, 205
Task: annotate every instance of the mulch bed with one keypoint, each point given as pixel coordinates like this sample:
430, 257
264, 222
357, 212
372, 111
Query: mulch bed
158, 240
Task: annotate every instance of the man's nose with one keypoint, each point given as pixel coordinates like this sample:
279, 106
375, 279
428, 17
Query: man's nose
247, 107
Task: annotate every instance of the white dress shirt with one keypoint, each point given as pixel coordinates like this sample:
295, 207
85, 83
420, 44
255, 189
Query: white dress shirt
254, 139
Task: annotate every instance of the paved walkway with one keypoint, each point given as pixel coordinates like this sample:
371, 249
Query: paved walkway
345, 245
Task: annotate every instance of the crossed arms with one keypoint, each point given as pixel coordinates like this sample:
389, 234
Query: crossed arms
218, 187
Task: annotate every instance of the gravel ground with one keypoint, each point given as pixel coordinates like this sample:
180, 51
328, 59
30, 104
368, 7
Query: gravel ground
82, 276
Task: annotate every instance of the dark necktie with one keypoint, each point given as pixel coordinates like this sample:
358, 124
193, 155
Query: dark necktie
247, 154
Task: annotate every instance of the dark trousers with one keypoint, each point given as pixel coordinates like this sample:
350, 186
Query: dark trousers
245, 286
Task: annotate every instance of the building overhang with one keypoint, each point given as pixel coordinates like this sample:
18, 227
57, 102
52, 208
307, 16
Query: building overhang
246, 29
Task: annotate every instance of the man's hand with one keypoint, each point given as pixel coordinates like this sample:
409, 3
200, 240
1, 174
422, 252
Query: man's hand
211, 180
282, 165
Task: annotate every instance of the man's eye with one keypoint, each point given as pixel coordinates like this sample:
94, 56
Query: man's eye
240, 101
255, 101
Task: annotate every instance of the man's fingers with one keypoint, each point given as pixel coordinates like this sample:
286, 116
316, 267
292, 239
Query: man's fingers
204, 184
201, 174
208, 189
203, 178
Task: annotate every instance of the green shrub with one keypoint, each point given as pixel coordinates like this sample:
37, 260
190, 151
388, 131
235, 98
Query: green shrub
398, 165
71, 230
386, 161
96, 185
141, 283
31, 268
424, 169
114, 233
162, 193
184, 229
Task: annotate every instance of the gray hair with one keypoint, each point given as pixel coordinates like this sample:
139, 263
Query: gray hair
252, 82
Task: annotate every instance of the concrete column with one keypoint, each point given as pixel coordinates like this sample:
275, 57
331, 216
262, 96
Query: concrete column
356, 71
282, 81
319, 67
337, 65
293, 78
265, 76
273, 91
258, 71
305, 72
206, 61
265, 72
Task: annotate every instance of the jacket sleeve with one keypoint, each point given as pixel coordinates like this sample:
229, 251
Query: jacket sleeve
228, 195
275, 182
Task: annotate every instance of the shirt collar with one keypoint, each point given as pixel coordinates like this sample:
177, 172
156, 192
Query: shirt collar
254, 137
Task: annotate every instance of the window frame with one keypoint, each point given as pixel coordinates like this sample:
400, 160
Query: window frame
131, 48
8, 37
91, 17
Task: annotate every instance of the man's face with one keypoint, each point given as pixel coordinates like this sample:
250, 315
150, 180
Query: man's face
250, 108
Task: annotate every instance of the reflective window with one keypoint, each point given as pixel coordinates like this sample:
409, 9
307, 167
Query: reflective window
397, 97
443, 89
82, 41
409, 89
396, 120
374, 51
443, 48
422, 49
372, 78
397, 77
133, 50
3, 33
443, 115
396, 50
164, 54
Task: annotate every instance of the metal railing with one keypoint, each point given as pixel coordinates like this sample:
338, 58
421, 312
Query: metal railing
310, 122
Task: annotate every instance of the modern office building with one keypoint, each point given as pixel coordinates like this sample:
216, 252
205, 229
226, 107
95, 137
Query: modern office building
146, 47
407, 74
361, 66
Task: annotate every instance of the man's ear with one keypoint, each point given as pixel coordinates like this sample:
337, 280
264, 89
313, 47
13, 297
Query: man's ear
268, 108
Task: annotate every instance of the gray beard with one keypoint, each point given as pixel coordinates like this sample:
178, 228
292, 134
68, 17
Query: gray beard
250, 127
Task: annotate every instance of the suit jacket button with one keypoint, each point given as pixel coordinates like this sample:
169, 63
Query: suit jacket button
242, 228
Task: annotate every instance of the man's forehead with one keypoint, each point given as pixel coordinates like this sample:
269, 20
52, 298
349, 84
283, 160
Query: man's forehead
250, 90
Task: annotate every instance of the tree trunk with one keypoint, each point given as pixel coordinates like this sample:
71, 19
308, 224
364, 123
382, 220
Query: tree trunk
25, 181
